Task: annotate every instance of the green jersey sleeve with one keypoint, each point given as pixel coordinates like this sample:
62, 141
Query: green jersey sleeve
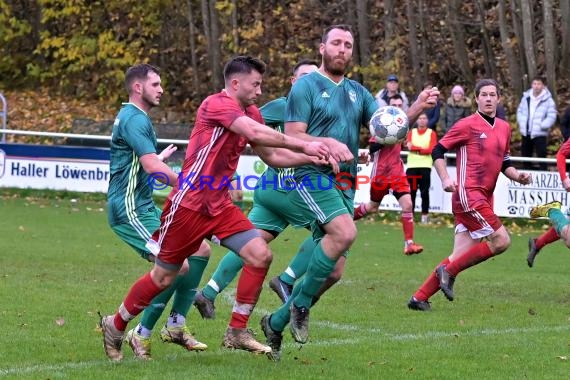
139, 135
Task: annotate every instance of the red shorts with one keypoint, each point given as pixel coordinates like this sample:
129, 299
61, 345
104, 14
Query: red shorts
182, 230
380, 186
480, 222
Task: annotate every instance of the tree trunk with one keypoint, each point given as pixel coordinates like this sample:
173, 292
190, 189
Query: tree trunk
212, 33
457, 34
192, 37
363, 31
507, 44
489, 56
549, 50
235, 27
519, 37
389, 28
424, 41
529, 49
565, 30
414, 50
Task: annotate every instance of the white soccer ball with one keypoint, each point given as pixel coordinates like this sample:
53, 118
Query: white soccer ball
389, 125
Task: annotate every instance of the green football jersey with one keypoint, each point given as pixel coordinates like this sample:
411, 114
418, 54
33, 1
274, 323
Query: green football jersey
330, 109
129, 191
273, 114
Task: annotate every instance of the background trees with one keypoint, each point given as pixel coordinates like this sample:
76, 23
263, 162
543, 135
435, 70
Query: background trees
82, 47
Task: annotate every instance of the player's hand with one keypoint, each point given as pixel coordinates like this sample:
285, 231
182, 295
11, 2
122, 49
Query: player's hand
235, 194
524, 178
566, 184
167, 152
429, 97
339, 151
449, 185
328, 162
363, 157
316, 149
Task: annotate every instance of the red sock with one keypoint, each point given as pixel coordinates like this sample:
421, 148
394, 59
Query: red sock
139, 297
475, 255
360, 211
430, 286
248, 289
548, 237
408, 225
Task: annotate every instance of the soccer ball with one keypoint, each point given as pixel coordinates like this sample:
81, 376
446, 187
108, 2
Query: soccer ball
389, 125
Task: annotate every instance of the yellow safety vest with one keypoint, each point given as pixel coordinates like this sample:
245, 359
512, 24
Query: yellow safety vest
416, 160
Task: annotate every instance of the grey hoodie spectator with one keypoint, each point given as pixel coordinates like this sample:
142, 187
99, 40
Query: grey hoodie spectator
536, 114
392, 88
457, 107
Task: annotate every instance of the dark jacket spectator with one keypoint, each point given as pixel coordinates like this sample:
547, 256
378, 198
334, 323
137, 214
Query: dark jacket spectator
458, 106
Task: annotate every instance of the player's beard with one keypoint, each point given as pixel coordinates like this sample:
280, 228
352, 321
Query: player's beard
333, 66
150, 101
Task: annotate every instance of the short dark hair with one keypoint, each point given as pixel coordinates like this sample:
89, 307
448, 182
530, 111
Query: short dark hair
243, 64
486, 82
345, 27
540, 78
138, 72
304, 62
395, 97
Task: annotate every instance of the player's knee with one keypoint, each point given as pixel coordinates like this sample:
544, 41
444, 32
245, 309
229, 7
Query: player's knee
257, 255
184, 268
500, 244
204, 251
336, 275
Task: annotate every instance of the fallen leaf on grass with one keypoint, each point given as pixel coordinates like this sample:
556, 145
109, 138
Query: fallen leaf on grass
562, 357
60, 321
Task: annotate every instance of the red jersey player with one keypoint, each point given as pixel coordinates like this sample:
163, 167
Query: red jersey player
388, 174
200, 207
550, 236
482, 145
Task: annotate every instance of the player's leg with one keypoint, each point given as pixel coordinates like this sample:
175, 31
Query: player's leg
334, 216
283, 284
481, 223
239, 235
420, 300
536, 244
407, 219
169, 259
175, 330
412, 178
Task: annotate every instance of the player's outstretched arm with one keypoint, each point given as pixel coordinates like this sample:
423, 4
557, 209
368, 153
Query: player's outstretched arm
426, 99
338, 150
261, 135
285, 158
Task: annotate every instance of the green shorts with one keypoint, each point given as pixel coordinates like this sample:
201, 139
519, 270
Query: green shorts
138, 231
320, 205
272, 211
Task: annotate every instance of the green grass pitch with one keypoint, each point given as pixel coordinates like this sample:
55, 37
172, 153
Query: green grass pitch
60, 264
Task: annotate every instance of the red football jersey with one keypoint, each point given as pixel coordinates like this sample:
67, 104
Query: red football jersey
387, 162
561, 156
481, 149
212, 156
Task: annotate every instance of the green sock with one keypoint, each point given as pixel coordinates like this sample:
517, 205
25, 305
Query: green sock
281, 316
320, 267
187, 286
226, 271
558, 219
298, 265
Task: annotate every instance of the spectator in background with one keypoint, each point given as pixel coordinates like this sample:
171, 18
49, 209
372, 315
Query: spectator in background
458, 106
565, 123
392, 88
420, 143
536, 114
501, 112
